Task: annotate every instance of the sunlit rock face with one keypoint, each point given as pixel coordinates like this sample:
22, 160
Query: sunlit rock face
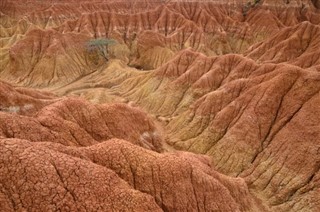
160, 105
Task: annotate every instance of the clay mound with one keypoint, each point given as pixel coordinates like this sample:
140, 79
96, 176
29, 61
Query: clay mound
147, 38
126, 27
264, 23
46, 16
44, 180
19, 8
56, 14
190, 75
254, 115
52, 17
11, 28
22, 100
259, 21
298, 45
93, 178
291, 12
240, 113
102, 23
248, 119
165, 27
48, 57
212, 16
121, 6
296, 3
78, 123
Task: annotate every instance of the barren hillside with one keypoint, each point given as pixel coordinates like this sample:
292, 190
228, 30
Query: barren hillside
149, 105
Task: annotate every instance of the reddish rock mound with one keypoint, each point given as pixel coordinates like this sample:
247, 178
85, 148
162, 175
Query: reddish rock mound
22, 100
113, 175
63, 57
38, 178
236, 81
88, 171
78, 123
241, 114
298, 45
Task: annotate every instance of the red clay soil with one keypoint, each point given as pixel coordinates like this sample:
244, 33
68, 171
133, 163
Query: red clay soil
66, 157
22, 100
76, 122
202, 106
113, 175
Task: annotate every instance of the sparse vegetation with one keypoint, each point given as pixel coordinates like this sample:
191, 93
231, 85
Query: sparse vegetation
101, 46
256, 2
246, 8
249, 5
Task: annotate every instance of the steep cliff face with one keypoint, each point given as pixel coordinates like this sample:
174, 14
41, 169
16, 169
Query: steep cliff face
201, 105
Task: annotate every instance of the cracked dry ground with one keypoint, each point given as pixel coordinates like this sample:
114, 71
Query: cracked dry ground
202, 106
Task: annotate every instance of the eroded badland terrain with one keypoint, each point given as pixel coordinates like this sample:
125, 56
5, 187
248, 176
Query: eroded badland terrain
145, 105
